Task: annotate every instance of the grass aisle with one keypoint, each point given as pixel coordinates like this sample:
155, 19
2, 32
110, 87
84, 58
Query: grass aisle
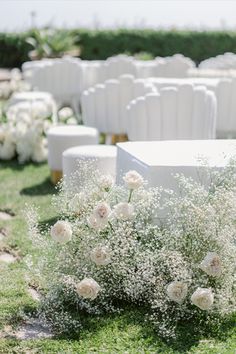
124, 333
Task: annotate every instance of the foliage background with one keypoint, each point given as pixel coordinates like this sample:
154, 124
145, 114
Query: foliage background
100, 44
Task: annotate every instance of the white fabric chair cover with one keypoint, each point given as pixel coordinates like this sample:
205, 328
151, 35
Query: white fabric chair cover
119, 65
186, 112
104, 105
63, 79
222, 62
176, 66
224, 90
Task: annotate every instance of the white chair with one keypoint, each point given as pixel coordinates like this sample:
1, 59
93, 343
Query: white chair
211, 73
29, 67
222, 62
63, 79
224, 90
104, 105
176, 66
61, 138
173, 66
119, 65
174, 113
103, 158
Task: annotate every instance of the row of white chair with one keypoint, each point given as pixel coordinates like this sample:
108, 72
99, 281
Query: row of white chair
186, 112
225, 92
180, 111
66, 78
104, 105
222, 61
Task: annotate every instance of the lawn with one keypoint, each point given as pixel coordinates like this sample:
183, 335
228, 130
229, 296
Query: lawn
123, 333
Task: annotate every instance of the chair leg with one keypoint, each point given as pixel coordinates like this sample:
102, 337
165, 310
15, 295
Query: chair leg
56, 176
118, 138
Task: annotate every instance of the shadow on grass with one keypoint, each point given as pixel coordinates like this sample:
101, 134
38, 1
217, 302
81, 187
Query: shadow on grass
43, 188
187, 335
12, 164
17, 166
45, 224
130, 325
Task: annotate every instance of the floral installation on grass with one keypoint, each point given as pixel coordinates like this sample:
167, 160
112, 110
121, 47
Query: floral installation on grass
24, 128
23, 132
172, 254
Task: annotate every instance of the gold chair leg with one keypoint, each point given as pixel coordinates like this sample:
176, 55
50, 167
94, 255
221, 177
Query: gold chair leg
118, 138
56, 176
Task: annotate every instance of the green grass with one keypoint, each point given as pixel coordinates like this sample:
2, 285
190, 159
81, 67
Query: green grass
123, 333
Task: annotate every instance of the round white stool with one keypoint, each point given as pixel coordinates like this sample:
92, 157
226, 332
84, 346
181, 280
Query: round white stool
35, 96
103, 157
63, 137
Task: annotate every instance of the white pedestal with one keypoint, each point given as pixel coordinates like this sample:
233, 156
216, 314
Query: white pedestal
159, 161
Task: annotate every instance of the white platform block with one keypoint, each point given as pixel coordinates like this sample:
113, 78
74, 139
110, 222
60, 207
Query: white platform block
159, 161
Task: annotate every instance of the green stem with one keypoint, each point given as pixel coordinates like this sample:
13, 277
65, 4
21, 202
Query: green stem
130, 195
111, 226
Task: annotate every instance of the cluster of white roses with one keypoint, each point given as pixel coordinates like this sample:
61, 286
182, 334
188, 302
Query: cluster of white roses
15, 84
202, 297
174, 254
23, 132
66, 116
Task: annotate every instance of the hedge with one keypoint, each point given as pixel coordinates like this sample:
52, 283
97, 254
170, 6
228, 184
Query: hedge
101, 44
13, 50
196, 45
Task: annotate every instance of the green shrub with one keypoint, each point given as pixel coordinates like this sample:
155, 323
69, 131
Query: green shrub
101, 44
13, 49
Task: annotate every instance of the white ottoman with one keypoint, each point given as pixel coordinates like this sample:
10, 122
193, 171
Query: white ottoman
104, 157
35, 96
159, 161
63, 137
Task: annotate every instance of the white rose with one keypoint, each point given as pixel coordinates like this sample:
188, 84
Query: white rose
46, 125
7, 150
2, 133
65, 113
211, 264
124, 211
72, 121
177, 291
39, 110
203, 298
39, 153
88, 288
102, 210
23, 117
61, 231
106, 182
133, 180
99, 217
24, 148
100, 256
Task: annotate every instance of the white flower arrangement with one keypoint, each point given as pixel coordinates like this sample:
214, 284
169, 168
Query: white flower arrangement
23, 132
15, 84
116, 246
67, 116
